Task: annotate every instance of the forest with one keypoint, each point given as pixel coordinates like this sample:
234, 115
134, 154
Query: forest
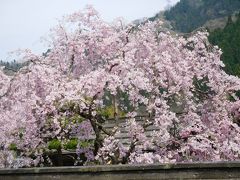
228, 39
188, 15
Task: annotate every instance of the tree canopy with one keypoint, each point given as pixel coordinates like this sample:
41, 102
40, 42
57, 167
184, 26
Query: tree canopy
93, 65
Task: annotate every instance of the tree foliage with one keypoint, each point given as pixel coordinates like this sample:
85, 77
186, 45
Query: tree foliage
228, 40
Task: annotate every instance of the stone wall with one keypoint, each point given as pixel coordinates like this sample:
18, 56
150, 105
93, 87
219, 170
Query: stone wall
128, 172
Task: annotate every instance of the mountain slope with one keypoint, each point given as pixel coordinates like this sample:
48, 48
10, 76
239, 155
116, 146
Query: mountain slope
188, 15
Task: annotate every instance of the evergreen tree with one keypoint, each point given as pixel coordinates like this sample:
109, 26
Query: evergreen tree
228, 40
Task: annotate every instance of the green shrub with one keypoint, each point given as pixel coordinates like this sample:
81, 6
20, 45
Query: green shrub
54, 144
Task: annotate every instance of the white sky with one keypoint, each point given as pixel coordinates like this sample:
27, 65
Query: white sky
24, 22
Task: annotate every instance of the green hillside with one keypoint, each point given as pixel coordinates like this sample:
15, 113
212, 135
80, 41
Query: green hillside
188, 15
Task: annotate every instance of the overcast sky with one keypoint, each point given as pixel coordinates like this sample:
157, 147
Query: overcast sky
24, 22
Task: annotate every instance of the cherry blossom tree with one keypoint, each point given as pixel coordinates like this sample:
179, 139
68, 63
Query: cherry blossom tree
176, 83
